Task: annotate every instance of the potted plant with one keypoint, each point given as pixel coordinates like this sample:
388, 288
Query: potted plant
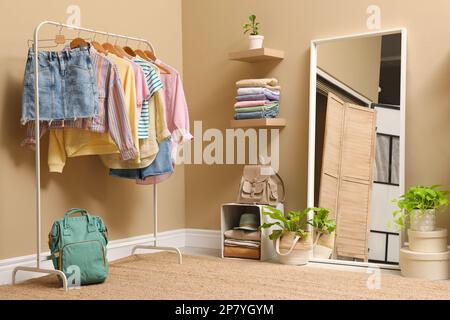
292, 241
324, 237
256, 40
419, 207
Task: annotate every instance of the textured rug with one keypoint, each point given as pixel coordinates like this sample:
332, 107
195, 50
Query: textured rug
158, 276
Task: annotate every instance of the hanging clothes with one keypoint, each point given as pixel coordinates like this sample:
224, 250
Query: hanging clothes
154, 84
67, 87
177, 119
133, 116
142, 90
71, 142
149, 147
112, 115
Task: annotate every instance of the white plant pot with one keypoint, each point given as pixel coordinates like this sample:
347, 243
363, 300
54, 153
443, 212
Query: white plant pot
430, 266
322, 252
423, 220
293, 250
428, 241
323, 248
256, 42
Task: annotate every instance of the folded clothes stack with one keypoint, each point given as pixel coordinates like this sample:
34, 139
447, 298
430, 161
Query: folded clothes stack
243, 241
257, 99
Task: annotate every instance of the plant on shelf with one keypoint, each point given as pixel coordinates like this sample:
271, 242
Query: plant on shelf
290, 232
419, 206
252, 27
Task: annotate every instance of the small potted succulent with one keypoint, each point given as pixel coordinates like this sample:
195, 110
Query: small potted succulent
292, 240
419, 207
252, 27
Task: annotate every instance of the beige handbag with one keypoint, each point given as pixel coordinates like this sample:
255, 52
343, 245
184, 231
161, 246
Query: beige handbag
296, 250
261, 185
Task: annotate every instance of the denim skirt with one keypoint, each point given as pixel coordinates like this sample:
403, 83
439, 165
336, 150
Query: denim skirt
162, 164
67, 86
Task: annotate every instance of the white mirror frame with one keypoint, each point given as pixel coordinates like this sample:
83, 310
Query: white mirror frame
312, 129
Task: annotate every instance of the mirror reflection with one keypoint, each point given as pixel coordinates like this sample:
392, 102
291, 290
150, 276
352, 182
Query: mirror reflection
357, 146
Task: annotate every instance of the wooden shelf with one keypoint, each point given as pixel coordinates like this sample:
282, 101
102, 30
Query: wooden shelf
259, 123
255, 55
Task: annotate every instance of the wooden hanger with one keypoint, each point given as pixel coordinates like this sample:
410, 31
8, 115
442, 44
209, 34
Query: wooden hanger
129, 51
109, 47
150, 54
60, 38
122, 52
78, 41
75, 43
152, 57
141, 54
98, 46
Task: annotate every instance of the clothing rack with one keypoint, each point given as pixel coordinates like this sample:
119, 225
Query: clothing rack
38, 268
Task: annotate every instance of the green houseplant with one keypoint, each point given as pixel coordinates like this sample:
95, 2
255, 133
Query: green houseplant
324, 228
252, 27
290, 233
419, 206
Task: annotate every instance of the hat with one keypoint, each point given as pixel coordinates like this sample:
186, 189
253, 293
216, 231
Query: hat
248, 221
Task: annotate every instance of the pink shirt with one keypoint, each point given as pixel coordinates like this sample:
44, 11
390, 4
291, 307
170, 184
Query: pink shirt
177, 113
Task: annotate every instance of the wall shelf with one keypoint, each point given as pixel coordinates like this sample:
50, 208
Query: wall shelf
259, 123
256, 55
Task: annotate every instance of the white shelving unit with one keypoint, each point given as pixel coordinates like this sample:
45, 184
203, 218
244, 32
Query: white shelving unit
230, 214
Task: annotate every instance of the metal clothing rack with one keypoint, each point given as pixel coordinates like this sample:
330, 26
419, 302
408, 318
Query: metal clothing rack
38, 268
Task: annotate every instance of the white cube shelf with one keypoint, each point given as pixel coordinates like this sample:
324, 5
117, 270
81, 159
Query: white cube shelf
230, 214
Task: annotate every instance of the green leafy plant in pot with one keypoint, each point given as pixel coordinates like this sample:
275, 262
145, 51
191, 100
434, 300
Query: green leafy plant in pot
292, 240
324, 228
419, 206
252, 27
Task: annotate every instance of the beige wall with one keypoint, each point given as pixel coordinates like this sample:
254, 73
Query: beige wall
85, 183
355, 62
211, 29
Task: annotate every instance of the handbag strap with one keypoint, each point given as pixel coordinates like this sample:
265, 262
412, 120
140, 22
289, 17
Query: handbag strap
74, 211
68, 213
282, 187
277, 246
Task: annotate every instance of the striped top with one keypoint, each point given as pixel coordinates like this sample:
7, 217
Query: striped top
112, 115
154, 84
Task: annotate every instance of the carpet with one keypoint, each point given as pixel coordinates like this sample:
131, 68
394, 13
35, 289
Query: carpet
158, 276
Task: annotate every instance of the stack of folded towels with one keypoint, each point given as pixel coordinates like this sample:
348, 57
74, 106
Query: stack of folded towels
257, 99
243, 241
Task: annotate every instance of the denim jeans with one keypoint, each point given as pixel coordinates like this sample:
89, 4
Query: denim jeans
256, 114
67, 86
162, 164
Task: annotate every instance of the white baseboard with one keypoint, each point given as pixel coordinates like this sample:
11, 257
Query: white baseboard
201, 238
118, 249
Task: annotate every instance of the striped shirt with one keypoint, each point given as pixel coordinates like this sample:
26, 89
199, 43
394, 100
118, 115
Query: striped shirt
112, 115
154, 84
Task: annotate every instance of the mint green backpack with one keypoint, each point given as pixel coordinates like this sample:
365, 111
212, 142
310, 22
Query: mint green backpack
80, 242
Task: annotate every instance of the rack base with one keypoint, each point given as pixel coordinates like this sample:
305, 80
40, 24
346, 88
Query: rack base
154, 247
40, 270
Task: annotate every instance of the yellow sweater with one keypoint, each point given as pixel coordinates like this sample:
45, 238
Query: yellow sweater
71, 142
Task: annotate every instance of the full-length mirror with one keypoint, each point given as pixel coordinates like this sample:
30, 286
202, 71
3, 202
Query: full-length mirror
356, 143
